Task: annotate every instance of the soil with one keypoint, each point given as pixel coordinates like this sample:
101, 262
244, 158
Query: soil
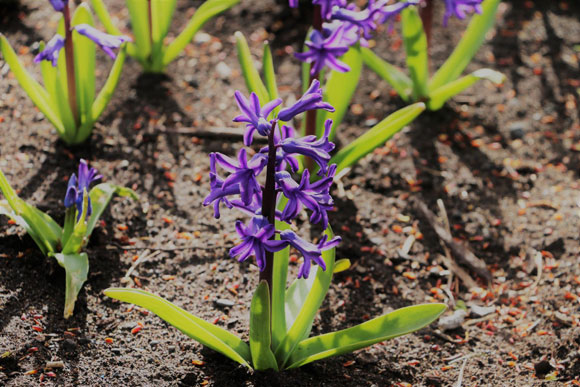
504, 161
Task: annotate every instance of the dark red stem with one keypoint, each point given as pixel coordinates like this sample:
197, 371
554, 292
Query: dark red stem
70, 63
269, 203
426, 14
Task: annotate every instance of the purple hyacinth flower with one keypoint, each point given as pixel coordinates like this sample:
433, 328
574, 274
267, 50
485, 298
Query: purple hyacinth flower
309, 251
255, 115
243, 173
77, 186
293, 3
459, 8
327, 5
324, 51
317, 149
311, 100
218, 194
51, 51
58, 5
384, 13
315, 197
256, 241
105, 41
363, 20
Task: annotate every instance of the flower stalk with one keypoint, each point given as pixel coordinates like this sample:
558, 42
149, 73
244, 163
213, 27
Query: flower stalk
70, 63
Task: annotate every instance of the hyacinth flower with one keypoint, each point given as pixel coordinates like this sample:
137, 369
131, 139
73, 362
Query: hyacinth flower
336, 88
83, 208
150, 21
69, 99
416, 21
281, 318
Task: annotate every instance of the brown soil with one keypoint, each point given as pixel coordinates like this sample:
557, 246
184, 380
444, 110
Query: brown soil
503, 160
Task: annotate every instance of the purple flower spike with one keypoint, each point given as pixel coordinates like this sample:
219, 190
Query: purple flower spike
293, 3
324, 51
317, 149
327, 5
256, 240
105, 41
255, 115
51, 51
459, 8
309, 251
77, 186
58, 5
386, 13
364, 20
311, 100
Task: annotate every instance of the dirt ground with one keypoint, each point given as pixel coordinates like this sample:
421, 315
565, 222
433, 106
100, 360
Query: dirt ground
504, 161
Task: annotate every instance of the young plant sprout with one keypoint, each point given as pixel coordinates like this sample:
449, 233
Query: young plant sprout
416, 22
354, 151
151, 21
280, 318
83, 206
68, 99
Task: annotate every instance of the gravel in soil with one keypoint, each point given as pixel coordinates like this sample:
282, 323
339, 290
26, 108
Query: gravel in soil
504, 161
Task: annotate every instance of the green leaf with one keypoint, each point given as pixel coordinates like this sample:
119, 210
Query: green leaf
139, 14
76, 267
376, 136
303, 322
77, 238
84, 59
295, 297
162, 11
342, 265
438, 97
416, 49
468, 46
386, 327
260, 339
104, 96
204, 13
37, 93
393, 75
202, 331
253, 81
100, 197
279, 276
270, 74
49, 74
338, 91
41, 227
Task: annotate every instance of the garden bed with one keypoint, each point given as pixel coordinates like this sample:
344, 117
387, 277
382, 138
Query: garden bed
504, 161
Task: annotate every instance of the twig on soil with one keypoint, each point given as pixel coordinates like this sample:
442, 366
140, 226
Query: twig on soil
461, 253
460, 377
164, 249
478, 320
144, 255
459, 271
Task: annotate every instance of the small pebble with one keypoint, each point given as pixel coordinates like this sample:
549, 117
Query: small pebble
224, 302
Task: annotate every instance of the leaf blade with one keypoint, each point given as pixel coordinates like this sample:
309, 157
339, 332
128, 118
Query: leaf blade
388, 326
391, 74
101, 195
251, 76
260, 338
416, 49
76, 267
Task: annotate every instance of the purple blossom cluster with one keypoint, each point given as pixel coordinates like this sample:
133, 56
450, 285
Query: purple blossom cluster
79, 186
242, 190
346, 25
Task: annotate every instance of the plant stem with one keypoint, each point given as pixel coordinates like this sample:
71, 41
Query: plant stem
70, 64
269, 205
311, 114
426, 14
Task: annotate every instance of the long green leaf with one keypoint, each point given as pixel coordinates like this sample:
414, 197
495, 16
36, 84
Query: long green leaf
393, 75
338, 91
84, 57
139, 14
202, 331
49, 74
438, 97
376, 136
104, 95
467, 47
295, 297
76, 267
208, 10
78, 237
252, 77
162, 11
260, 339
37, 93
100, 197
42, 228
303, 321
416, 50
279, 276
270, 74
386, 327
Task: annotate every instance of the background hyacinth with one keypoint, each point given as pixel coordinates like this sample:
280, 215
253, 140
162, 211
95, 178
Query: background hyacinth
242, 190
344, 25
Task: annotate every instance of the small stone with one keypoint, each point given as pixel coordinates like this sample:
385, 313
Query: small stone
448, 323
542, 368
367, 358
202, 37
154, 343
116, 351
224, 302
481, 311
224, 71
371, 122
171, 349
518, 129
